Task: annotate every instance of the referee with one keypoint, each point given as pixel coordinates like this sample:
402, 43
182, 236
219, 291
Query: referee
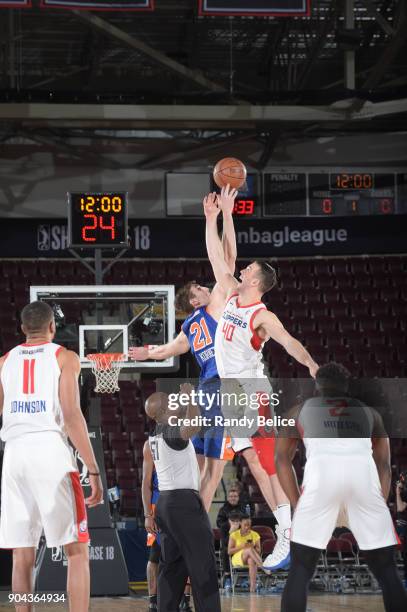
187, 547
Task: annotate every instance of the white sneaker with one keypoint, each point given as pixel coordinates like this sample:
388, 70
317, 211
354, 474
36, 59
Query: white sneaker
280, 557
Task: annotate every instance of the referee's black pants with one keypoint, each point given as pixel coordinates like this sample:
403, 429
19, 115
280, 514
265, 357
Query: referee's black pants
187, 549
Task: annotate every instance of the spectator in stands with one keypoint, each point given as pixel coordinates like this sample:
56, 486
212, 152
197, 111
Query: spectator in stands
244, 497
235, 507
244, 548
401, 522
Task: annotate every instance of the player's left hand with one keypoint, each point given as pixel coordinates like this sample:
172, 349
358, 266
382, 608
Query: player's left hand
96, 496
210, 205
226, 199
150, 525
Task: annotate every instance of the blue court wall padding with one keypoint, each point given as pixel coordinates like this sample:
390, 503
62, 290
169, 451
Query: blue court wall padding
135, 552
255, 8
100, 5
15, 3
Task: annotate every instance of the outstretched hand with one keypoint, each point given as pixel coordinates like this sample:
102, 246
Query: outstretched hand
210, 204
138, 353
226, 199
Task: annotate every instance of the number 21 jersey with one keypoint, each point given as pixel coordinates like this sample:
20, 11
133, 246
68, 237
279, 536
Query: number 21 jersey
200, 329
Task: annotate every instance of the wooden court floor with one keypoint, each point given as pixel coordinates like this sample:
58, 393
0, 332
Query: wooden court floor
237, 603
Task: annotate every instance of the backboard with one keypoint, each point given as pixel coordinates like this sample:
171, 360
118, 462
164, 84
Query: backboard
102, 318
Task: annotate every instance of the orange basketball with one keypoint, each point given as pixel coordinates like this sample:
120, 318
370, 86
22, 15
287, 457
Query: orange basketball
230, 170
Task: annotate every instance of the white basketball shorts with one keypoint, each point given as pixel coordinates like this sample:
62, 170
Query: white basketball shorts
350, 483
40, 491
240, 444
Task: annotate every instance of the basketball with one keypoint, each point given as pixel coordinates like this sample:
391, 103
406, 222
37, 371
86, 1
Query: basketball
230, 170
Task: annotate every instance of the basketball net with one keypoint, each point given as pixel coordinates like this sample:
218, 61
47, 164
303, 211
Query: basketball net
106, 368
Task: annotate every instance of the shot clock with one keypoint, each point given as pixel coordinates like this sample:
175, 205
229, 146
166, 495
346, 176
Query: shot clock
247, 203
97, 219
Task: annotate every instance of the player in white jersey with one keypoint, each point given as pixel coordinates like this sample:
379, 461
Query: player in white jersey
244, 327
348, 472
41, 490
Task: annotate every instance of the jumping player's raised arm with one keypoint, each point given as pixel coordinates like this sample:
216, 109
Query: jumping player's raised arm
178, 346
74, 420
272, 327
226, 202
214, 248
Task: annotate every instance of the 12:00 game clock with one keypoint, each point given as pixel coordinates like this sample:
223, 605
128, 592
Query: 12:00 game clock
97, 220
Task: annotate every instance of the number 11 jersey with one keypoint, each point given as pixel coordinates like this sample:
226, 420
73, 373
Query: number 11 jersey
30, 380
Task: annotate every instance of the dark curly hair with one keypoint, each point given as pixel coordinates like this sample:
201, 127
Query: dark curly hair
333, 377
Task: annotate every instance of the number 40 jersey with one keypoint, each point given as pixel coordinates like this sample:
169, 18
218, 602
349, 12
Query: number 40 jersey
200, 329
30, 379
237, 344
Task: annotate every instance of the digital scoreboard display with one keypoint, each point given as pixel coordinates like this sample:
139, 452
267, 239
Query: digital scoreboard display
351, 194
341, 194
185, 191
296, 193
285, 194
97, 220
248, 202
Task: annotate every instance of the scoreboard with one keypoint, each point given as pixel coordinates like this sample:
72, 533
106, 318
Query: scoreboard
346, 194
298, 193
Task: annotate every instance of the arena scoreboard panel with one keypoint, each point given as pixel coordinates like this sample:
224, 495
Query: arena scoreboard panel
334, 194
289, 193
97, 219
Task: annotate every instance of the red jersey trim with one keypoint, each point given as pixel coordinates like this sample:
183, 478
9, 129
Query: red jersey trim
59, 349
81, 522
255, 340
247, 305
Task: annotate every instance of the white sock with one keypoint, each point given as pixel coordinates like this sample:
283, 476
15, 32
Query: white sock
283, 516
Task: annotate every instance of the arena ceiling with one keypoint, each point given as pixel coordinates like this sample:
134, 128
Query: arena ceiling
73, 77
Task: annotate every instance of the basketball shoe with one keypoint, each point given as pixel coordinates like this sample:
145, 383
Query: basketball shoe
280, 557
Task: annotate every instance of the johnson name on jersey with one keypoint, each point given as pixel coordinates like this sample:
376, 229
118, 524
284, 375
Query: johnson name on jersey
30, 380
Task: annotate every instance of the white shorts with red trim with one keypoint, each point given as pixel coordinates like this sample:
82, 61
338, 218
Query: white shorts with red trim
240, 444
40, 491
336, 485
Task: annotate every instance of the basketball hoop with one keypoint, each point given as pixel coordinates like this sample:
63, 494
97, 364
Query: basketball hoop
106, 368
